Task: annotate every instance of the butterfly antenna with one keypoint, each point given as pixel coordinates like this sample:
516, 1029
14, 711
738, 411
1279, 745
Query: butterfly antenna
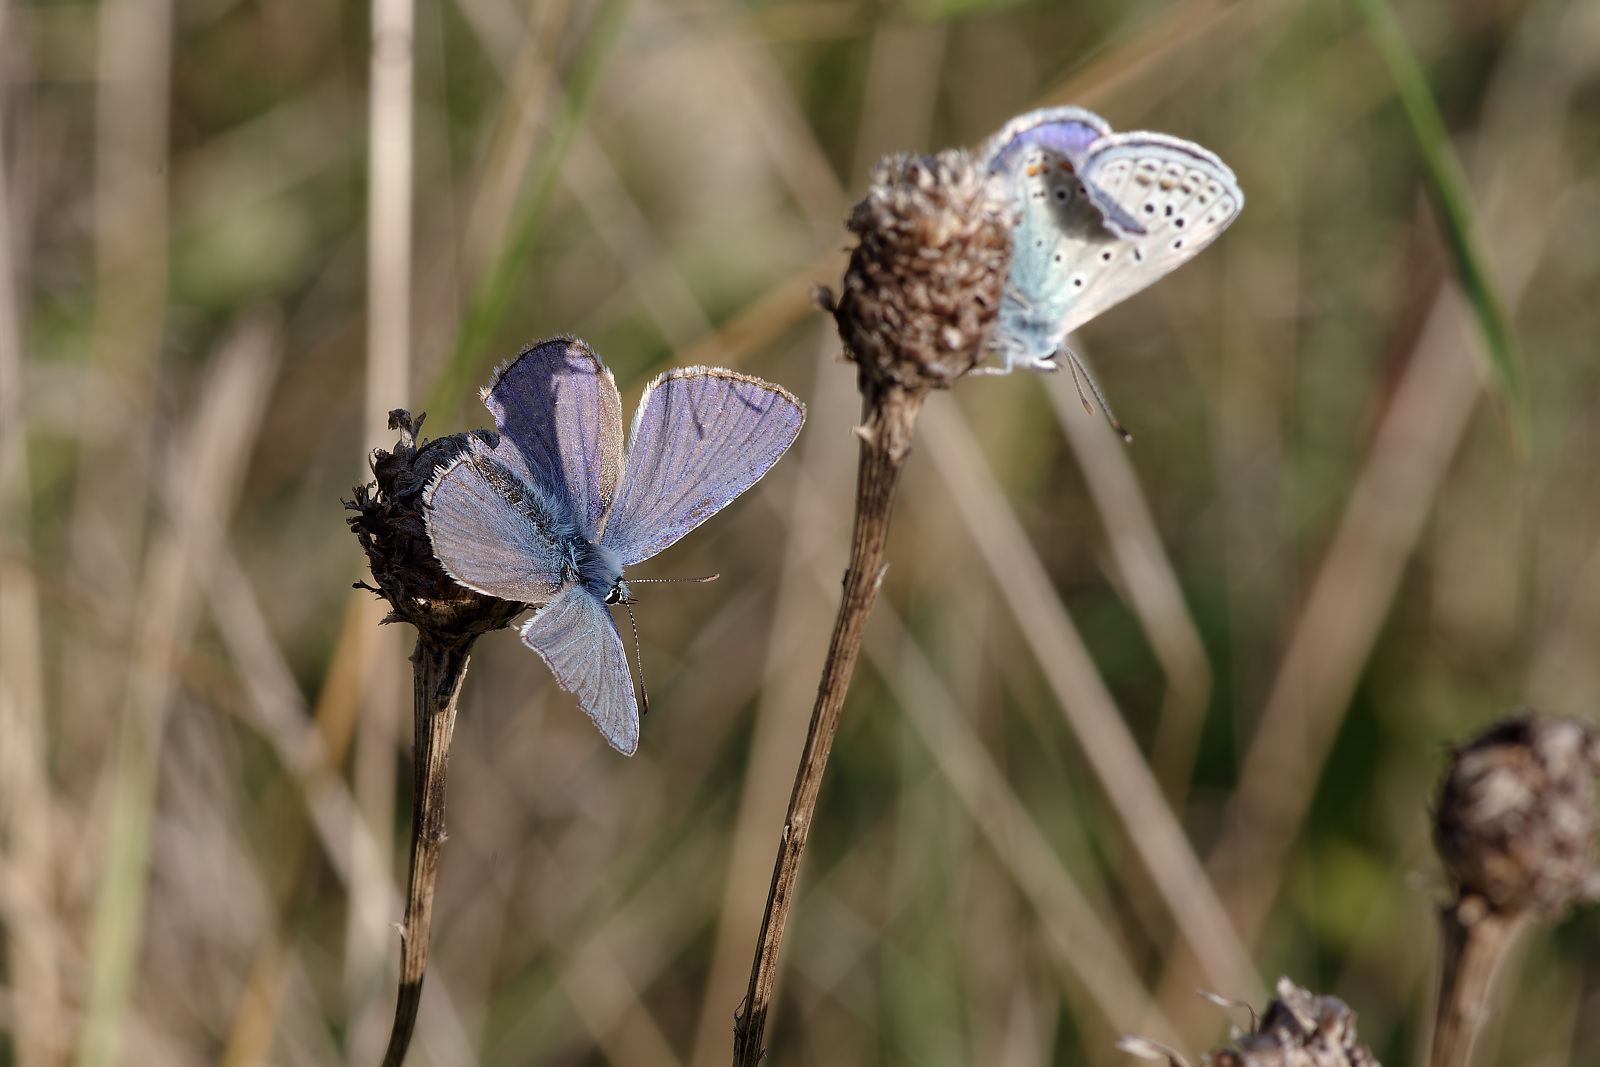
644, 691
1077, 383
707, 578
1077, 365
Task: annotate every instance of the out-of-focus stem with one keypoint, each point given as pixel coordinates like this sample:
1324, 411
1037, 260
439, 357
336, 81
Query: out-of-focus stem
890, 417
438, 670
1474, 941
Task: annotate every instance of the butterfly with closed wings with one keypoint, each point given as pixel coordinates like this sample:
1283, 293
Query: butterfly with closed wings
1100, 216
553, 512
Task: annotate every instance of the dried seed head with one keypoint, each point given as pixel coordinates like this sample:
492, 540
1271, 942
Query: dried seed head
391, 528
1516, 818
1298, 1029
924, 284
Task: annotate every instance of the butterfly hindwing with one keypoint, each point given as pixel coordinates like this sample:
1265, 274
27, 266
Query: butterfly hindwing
577, 638
559, 406
490, 531
1066, 131
701, 437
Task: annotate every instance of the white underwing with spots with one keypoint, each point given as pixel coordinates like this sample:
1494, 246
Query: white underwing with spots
1100, 216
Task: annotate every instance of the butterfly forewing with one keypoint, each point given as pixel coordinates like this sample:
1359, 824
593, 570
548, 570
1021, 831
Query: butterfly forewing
559, 406
486, 529
701, 437
577, 638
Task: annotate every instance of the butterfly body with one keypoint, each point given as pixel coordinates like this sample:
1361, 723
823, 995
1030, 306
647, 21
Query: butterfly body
1100, 216
554, 510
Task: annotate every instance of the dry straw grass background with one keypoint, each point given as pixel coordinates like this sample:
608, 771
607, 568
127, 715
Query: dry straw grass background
1131, 720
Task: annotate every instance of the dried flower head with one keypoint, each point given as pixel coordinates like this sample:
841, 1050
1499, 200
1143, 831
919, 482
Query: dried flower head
391, 527
1516, 818
924, 284
1298, 1029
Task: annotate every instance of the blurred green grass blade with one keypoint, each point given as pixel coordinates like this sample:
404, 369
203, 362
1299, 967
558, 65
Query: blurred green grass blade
1453, 199
119, 907
492, 296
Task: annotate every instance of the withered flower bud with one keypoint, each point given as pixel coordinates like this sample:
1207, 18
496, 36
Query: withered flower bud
391, 528
924, 284
1516, 818
1298, 1029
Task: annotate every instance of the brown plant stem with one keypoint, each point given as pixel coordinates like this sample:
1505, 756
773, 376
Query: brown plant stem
438, 668
449, 617
890, 415
1475, 940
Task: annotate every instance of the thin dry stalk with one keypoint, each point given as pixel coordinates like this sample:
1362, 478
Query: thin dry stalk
388, 372
648, 930
902, 83
1079, 943
659, 286
1151, 583
900, 95
1515, 825
919, 298
211, 461
27, 802
439, 672
1089, 708
306, 752
1182, 31
449, 618
108, 525
1351, 593
885, 435
388, 218
609, 1005
794, 647
1339, 622
1476, 942
528, 90
779, 120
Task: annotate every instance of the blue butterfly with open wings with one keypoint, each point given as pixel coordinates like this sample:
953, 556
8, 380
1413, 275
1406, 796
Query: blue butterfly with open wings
555, 510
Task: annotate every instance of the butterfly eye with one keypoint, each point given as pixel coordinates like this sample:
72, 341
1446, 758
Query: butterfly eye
1061, 194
